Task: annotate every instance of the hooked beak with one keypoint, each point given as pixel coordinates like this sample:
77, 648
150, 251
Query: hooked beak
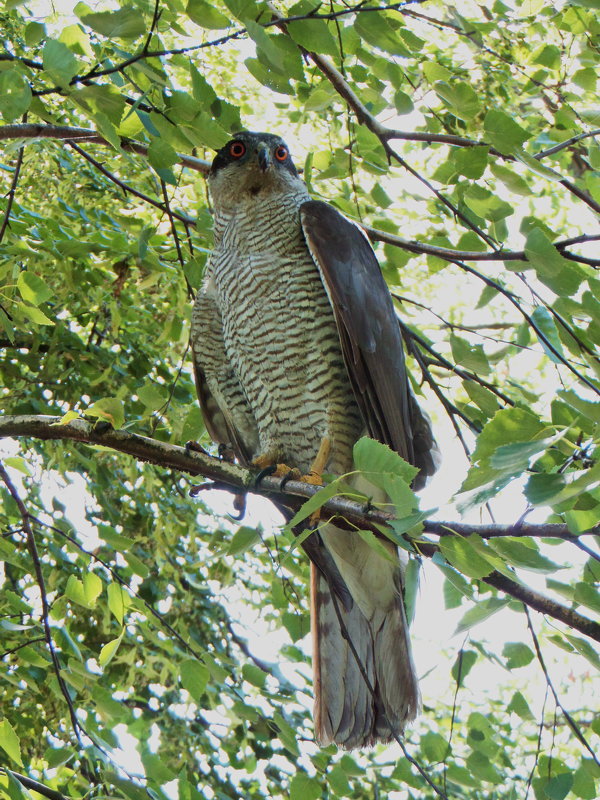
263, 156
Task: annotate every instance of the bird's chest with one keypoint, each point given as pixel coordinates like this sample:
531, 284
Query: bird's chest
266, 284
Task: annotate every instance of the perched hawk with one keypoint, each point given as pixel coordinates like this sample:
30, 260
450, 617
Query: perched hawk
297, 354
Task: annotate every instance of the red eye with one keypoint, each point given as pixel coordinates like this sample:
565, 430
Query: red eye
281, 153
237, 149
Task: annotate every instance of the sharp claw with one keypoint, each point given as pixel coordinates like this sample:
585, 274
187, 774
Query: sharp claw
194, 447
239, 503
286, 479
264, 473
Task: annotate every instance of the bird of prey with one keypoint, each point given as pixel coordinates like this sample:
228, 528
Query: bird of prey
297, 354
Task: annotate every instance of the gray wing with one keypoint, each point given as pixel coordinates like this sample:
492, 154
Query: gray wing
370, 335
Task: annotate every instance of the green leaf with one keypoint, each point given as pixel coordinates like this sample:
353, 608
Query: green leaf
461, 554
33, 314
206, 15
110, 409
411, 587
374, 457
471, 162
108, 651
480, 765
559, 274
535, 165
482, 611
92, 587
461, 99
304, 788
587, 595
194, 677
487, 205
377, 31
243, 539
517, 654
254, 675
118, 601
511, 179
434, 747
585, 649
74, 591
266, 47
59, 62
589, 409
434, 71
104, 102
378, 546
15, 95
548, 334
126, 22
462, 776
508, 425
269, 78
9, 742
470, 356
455, 578
18, 463
315, 502
162, 156
465, 661
314, 35
519, 706
559, 786
554, 489
35, 32
338, 781
524, 555
403, 102
503, 132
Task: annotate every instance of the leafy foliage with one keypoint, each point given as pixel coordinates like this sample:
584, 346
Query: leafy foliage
469, 131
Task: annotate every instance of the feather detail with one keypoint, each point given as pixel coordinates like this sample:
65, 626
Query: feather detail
357, 705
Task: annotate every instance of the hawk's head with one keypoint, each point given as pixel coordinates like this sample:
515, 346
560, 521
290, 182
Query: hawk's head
252, 165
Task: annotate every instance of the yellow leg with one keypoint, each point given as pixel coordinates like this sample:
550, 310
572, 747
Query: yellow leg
315, 476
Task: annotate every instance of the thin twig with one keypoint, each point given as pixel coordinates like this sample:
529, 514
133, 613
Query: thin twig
23, 644
571, 722
127, 188
11, 193
43, 596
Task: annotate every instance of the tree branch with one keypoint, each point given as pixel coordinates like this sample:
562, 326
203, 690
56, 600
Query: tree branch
39, 131
74, 135
36, 786
571, 722
348, 513
385, 134
43, 597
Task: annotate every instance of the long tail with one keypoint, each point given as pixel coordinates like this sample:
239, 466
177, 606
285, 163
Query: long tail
356, 704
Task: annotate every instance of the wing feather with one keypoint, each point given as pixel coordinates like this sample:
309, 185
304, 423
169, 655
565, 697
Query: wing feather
369, 332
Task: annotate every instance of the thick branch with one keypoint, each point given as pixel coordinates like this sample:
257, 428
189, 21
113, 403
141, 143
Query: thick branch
31, 131
348, 513
233, 477
74, 135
